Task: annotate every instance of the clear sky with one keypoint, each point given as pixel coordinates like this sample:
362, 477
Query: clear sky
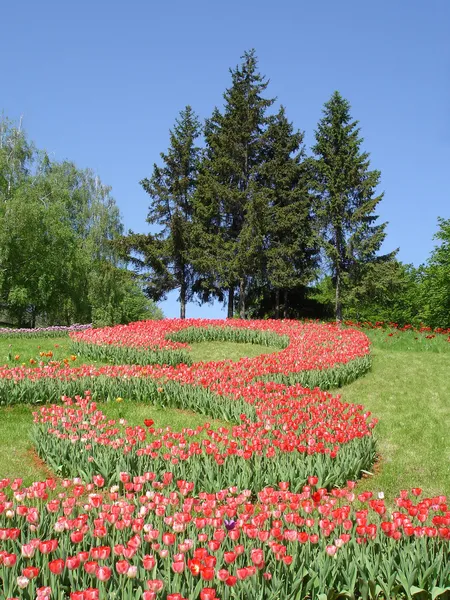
101, 82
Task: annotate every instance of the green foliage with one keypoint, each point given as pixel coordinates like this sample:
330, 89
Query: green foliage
385, 291
435, 281
290, 247
123, 298
58, 228
346, 197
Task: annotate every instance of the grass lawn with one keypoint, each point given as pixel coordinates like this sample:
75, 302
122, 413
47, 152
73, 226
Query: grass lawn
212, 351
407, 390
16, 351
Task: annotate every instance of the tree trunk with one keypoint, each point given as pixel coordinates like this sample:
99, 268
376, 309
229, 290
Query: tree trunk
277, 303
338, 306
286, 305
242, 298
183, 301
230, 302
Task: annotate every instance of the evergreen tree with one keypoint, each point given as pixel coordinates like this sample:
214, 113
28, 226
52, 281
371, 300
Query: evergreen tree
231, 203
170, 188
291, 250
346, 198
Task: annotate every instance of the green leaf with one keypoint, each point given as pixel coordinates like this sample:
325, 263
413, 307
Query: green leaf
415, 590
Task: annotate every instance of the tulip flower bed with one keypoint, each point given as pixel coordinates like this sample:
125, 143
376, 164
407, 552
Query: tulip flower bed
324, 345
156, 539
290, 433
317, 355
262, 509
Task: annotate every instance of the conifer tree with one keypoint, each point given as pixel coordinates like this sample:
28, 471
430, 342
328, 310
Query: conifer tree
291, 249
346, 197
171, 186
230, 203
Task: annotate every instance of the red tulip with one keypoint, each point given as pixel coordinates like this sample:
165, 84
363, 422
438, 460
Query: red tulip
231, 581
103, 573
122, 567
178, 566
30, 572
148, 561
56, 566
155, 585
9, 560
90, 566
229, 557
207, 594
207, 573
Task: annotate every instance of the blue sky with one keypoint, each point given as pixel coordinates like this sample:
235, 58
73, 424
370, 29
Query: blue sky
101, 82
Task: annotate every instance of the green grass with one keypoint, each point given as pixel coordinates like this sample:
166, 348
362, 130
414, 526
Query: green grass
27, 349
17, 455
136, 412
408, 341
213, 351
409, 392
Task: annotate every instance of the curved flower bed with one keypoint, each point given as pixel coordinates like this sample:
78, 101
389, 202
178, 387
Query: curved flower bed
291, 433
304, 346
316, 355
156, 517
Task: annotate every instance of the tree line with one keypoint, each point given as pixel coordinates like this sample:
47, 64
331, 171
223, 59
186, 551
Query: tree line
241, 212
246, 216
58, 229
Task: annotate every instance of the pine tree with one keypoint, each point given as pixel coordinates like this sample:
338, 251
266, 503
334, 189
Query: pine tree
230, 201
291, 250
170, 188
347, 197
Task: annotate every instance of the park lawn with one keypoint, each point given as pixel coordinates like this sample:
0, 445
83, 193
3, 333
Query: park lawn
21, 350
409, 392
213, 351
